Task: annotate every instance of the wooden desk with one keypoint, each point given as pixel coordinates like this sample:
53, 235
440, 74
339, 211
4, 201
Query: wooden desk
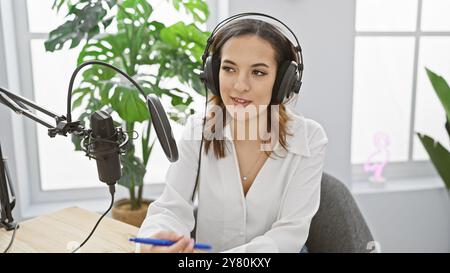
59, 231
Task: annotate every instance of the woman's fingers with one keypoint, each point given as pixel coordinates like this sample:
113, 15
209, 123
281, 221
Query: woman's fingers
179, 246
190, 247
167, 235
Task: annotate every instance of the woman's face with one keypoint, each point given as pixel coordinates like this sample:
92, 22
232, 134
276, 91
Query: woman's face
247, 74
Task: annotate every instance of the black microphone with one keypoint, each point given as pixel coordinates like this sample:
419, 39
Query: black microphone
105, 148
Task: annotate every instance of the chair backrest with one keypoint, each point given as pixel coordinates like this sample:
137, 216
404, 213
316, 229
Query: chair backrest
338, 226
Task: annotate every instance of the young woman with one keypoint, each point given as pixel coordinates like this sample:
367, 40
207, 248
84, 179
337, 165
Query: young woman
257, 192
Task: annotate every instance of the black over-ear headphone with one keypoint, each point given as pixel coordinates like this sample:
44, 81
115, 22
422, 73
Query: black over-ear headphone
289, 75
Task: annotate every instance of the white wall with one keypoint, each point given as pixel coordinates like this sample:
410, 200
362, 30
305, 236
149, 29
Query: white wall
409, 221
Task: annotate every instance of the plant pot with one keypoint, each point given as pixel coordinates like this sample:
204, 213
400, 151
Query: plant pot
122, 211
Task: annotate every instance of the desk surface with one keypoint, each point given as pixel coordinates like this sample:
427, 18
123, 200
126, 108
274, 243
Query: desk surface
63, 230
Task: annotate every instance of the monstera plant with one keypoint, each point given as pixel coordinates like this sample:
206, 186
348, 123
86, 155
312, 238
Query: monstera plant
438, 154
122, 33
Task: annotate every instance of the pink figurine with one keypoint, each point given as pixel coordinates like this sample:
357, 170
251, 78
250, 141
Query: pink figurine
381, 141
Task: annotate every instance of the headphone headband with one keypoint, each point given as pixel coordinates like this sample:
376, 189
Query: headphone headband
297, 48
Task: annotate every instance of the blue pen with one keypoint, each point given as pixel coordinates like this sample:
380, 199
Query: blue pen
159, 242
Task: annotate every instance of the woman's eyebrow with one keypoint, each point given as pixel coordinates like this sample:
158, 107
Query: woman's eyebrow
253, 65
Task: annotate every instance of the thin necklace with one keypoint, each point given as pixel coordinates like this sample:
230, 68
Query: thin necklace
245, 177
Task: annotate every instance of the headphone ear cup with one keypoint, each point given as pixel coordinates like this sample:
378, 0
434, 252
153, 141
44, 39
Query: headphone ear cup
285, 81
210, 75
298, 80
207, 72
215, 75
297, 83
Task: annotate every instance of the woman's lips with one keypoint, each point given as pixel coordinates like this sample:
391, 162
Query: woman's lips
240, 101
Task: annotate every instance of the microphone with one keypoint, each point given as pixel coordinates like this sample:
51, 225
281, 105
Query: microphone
105, 143
104, 146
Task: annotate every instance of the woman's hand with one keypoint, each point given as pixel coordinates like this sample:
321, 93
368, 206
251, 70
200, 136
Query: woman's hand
182, 244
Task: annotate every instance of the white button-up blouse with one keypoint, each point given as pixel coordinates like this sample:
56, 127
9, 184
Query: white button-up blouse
276, 213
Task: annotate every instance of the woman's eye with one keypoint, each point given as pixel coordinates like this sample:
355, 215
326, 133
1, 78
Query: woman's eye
259, 73
227, 69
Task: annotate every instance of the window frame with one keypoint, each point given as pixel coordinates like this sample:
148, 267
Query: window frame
37, 194
411, 167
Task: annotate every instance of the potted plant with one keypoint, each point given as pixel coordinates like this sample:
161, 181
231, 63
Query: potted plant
438, 154
148, 51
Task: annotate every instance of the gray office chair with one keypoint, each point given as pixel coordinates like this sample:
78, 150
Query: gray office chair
338, 225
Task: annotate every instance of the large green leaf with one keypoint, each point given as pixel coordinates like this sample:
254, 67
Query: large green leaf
133, 171
76, 140
105, 92
77, 102
57, 4
107, 48
442, 90
197, 8
439, 156
132, 17
178, 32
136, 10
129, 105
88, 16
181, 48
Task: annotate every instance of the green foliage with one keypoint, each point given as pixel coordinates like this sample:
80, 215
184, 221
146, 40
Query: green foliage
89, 15
438, 154
442, 90
145, 49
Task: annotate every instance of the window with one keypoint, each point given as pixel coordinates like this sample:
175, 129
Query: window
394, 41
59, 167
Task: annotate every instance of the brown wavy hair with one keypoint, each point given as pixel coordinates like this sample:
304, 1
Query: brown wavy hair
284, 50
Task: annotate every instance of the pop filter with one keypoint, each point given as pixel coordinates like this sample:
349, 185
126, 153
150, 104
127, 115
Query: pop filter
162, 127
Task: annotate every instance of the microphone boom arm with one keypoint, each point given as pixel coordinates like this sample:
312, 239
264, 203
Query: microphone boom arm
19, 105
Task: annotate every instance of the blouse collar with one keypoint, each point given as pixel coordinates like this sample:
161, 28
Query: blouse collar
297, 143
